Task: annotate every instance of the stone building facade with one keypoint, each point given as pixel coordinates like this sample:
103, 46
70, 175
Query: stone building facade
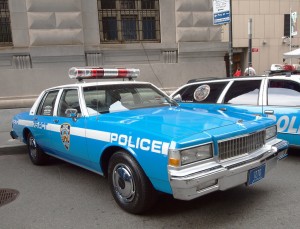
267, 32
170, 41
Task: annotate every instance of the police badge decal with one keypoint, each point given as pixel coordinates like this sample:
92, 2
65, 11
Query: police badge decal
65, 134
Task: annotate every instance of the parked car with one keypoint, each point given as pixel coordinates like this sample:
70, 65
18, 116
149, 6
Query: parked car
276, 96
143, 142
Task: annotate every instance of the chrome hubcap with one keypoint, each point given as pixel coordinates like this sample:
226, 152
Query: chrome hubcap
123, 183
32, 147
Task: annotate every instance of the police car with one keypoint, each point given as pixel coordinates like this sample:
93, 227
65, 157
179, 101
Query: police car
143, 142
276, 96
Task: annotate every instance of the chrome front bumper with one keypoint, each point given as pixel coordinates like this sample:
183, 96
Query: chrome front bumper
194, 181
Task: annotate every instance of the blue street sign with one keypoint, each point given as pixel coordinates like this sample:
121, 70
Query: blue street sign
221, 11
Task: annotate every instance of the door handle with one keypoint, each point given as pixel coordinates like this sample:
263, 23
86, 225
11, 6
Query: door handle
269, 112
55, 120
223, 109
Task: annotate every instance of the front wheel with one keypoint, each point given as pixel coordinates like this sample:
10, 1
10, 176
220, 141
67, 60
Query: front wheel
36, 154
129, 185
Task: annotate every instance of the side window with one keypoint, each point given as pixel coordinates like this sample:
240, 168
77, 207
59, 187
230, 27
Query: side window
68, 100
202, 92
46, 106
243, 92
283, 93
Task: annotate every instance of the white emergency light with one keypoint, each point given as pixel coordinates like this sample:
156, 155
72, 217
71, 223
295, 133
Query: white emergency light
81, 73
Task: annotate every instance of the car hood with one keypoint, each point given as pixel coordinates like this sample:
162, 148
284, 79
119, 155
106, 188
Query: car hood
178, 122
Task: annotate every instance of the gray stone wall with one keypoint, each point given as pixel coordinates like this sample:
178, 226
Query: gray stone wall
194, 21
54, 22
50, 36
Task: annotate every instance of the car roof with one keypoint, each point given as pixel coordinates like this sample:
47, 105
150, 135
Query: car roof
98, 83
275, 76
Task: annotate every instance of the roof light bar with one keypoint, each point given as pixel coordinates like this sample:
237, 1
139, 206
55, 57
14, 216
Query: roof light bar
104, 73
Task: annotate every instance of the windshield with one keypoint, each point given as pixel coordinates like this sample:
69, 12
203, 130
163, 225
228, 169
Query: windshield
113, 98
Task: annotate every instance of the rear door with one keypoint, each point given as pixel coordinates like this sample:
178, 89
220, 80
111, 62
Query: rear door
283, 105
43, 119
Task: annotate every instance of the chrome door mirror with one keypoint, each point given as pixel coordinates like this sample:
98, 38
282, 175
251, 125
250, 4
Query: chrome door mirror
72, 113
177, 98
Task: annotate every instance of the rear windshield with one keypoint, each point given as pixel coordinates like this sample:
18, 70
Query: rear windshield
202, 92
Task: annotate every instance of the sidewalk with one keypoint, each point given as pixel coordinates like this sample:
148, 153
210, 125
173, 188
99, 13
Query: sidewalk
10, 146
7, 144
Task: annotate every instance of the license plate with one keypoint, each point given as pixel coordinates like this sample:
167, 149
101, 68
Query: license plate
256, 174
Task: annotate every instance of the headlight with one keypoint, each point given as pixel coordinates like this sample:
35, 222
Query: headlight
271, 132
187, 156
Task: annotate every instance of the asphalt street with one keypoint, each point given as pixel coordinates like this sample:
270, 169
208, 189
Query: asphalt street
61, 195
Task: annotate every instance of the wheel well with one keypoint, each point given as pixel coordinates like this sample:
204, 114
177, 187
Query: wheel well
26, 131
106, 155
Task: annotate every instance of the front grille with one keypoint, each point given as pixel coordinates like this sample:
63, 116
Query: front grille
241, 145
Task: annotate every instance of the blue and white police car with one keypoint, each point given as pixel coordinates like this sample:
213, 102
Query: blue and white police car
276, 96
143, 142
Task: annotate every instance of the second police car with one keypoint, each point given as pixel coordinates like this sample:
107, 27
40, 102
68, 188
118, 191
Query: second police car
134, 134
276, 96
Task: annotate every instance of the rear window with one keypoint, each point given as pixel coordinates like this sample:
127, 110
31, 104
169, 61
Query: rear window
46, 107
202, 92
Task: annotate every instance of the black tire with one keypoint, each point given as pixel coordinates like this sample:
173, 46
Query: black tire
36, 154
130, 187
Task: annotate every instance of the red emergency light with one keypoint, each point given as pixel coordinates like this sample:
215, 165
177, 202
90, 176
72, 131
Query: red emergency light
104, 73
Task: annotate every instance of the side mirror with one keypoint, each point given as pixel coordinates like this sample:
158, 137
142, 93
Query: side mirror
72, 113
177, 98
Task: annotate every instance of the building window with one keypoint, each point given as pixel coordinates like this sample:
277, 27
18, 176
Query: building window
146, 4
129, 4
107, 4
149, 28
129, 28
126, 21
110, 27
5, 30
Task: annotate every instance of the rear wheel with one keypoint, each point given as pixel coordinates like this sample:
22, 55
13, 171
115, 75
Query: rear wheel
36, 154
129, 185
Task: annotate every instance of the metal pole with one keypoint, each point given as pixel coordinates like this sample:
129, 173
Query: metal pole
290, 33
250, 44
230, 41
